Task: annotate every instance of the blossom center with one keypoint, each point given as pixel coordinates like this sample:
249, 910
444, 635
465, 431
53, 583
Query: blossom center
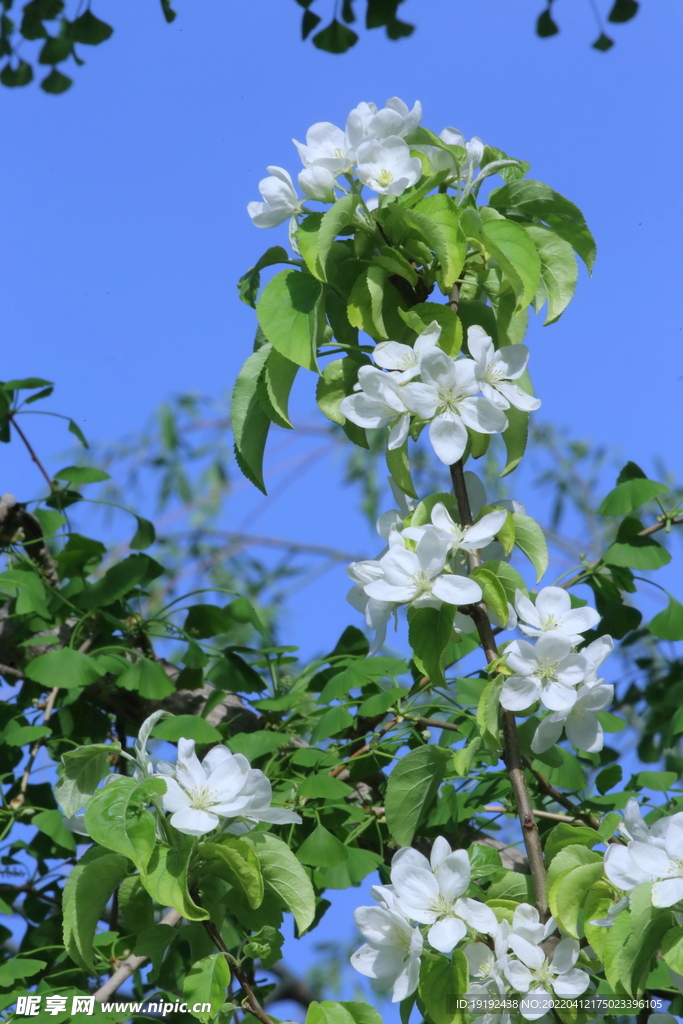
548, 671
545, 974
422, 580
201, 798
549, 622
494, 373
338, 153
450, 399
385, 178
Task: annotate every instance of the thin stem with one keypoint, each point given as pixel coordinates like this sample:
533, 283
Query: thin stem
130, 964
647, 532
250, 1003
41, 467
559, 798
20, 798
511, 752
550, 815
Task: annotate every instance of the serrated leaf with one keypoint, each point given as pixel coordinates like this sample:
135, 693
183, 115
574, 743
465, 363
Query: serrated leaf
559, 272
443, 981
429, 632
516, 253
86, 894
493, 592
366, 301
398, 465
144, 536
117, 819
80, 773
284, 877
275, 385
530, 539
166, 879
442, 211
250, 423
340, 216
412, 786
287, 315
206, 983
236, 862
630, 550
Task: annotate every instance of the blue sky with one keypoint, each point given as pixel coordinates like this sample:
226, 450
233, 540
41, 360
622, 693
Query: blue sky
124, 224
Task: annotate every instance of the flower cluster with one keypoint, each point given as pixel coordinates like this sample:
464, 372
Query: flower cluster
430, 893
220, 791
425, 384
652, 854
373, 143
551, 671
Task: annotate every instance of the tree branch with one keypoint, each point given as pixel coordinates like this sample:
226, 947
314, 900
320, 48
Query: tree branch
511, 751
647, 532
15, 519
34, 457
130, 964
559, 798
250, 1003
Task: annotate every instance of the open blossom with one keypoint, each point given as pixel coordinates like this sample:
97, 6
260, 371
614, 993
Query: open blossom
326, 146
280, 200
430, 891
474, 149
223, 786
402, 360
547, 671
553, 612
486, 965
446, 399
418, 577
580, 722
390, 956
655, 854
534, 974
467, 538
595, 653
386, 166
378, 403
377, 613
497, 369
366, 121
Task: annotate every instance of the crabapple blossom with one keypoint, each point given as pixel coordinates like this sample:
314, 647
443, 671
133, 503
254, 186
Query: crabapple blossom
580, 723
547, 671
386, 166
653, 855
497, 369
445, 398
280, 200
402, 360
487, 965
533, 973
595, 653
430, 891
377, 613
418, 576
553, 612
326, 146
317, 183
474, 149
467, 538
390, 956
365, 121
379, 402
222, 786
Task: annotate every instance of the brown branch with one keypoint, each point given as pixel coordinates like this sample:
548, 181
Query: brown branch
20, 798
560, 798
365, 748
550, 815
250, 1003
511, 752
34, 457
130, 964
7, 670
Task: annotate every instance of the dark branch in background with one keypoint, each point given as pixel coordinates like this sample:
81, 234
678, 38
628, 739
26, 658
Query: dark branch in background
18, 525
250, 1003
337, 36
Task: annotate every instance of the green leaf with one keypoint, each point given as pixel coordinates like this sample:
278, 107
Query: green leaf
493, 591
144, 536
660, 781
650, 925
668, 625
321, 849
512, 885
29, 590
236, 862
510, 579
488, 708
365, 308
187, 727
82, 475
608, 778
328, 1012
256, 744
623, 10
633, 551
515, 437
516, 253
442, 211
135, 905
380, 703
569, 835
123, 577
429, 631
117, 819
630, 495
86, 893
395, 263
340, 216
362, 1013
89, 30
534, 199
284, 877
359, 674
64, 668
672, 949
275, 385
249, 283
146, 678
324, 786
443, 982
56, 83
463, 759
77, 432
530, 539
80, 773
569, 775
19, 967
51, 823
559, 272
250, 422
207, 982
398, 465
335, 38
567, 894
411, 789
153, 943
334, 721
483, 860
15, 77
286, 312
207, 620
166, 879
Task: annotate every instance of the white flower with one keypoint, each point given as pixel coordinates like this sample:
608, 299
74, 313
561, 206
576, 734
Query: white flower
547, 671
222, 786
467, 538
527, 924
366, 121
393, 518
595, 653
474, 149
403, 360
281, 200
656, 855
377, 613
430, 891
580, 722
326, 146
539, 977
317, 183
418, 577
445, 397
378, 403
495, 370
553, 612
386, 165
488, 965
391, 954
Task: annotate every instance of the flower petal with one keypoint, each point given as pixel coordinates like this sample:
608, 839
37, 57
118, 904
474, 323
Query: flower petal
445, 934
448, 436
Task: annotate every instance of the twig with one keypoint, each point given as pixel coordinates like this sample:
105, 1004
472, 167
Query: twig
511, 751
559, 798
366, 746
130, 964
20, 798
41, 467
7, 670
550, 815
434, 723
250, 1003
647, 532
